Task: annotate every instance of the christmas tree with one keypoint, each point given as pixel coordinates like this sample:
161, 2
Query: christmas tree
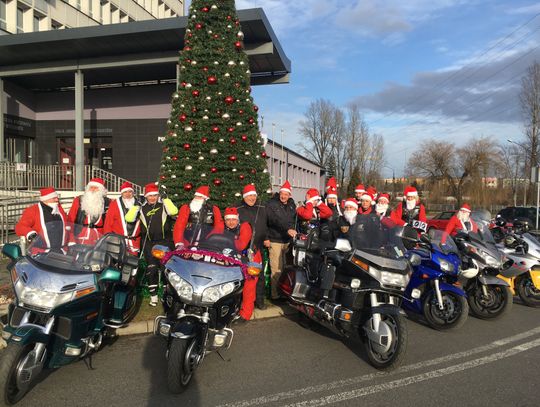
213, 135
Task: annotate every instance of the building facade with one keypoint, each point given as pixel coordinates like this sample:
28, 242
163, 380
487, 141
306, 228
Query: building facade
26, 16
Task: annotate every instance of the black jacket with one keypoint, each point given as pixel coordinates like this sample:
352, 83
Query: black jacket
257, 218
281, 218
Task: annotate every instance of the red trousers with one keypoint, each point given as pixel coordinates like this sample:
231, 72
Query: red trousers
248, 298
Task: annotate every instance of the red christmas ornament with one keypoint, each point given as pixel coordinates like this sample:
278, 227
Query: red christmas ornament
194, 109
241, 177
187, 48
255, 107
244, 137
183, 84
195, 93
188, 187
254, 171
230, 129
263, 154
240, 111
165, 149
187, 146
174, 158
213, 169
217, 182
237, 84
223, 194
232, 158
232, 140
229, 100
204, 140
229, 18
192, 123
216, 36
198, 26
251, 121
205, 69
163, 177
205, 9
190, 35
212, 80
215, 129
238, 45
182, 117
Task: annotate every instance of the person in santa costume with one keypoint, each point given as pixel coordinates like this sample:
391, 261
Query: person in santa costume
382, 206
239, 236
460, 222
365, 207
313, 211
156, 217
46, 219
115, 220
251, 211
347, 218
87, 212
328, 226
410, 209
197, 219
359, 190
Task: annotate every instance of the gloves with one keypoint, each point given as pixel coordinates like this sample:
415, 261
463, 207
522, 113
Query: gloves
31, 236
171, 209
179, 246
131, 215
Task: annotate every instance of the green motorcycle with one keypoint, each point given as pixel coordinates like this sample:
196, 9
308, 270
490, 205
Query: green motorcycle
67, 300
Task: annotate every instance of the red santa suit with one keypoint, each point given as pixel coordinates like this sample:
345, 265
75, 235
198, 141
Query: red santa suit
39, 218
309, 211
455, 225
115, 222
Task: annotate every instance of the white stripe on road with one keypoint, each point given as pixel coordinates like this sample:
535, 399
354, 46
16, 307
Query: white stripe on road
359, 379
349, 395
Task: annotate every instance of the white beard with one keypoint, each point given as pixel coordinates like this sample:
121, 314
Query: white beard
93, 203
128, 203
464, 217
350, 216
195, 205
381, 208
411, 205
54, 207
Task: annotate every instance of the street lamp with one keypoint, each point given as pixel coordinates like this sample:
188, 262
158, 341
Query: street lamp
526, 151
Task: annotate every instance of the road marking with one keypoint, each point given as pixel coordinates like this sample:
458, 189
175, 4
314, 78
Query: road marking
349, 395
359, 379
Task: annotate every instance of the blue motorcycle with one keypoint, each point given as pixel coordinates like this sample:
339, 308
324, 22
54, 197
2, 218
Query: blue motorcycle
431, 291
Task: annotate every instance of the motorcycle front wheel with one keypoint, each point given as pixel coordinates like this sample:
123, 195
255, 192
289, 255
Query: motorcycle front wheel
497, 302
453, 315
528, 293
390, 355
180, 364
12, 377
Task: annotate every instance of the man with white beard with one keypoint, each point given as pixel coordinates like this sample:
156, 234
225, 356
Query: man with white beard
460, 222
197, 219
87, 212
115, 221
381, 208
46, 219
410, 209
347, 219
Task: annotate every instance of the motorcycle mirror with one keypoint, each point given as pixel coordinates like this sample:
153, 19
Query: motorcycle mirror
110, 275
343, 245
415, 259
13, 251
159, 251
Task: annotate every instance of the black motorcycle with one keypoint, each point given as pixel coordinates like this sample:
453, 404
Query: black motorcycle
354, 288
202, 297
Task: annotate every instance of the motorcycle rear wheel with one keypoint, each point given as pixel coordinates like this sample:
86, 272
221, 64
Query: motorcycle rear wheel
392, 358
452, 316
179, 370
498, 302
528, 293
10, 360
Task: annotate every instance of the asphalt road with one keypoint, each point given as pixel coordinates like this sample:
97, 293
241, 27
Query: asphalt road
278, 362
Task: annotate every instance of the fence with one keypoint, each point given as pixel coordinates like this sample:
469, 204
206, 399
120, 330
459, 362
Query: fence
450, 207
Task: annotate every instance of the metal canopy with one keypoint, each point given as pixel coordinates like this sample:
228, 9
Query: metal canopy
129, 52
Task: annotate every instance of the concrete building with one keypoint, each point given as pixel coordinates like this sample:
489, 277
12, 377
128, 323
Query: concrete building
27, 16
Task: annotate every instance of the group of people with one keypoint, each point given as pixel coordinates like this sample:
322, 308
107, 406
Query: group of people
250, 226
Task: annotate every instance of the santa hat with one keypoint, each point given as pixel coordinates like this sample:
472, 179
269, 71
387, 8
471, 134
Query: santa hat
203, 191
359, 188
331, 184
384, 196
351, 202
286, 187
331, 192
312, 193
151, 189
47, 193
231, 213
465, 208
126, 186
366, 196
410, 191
96, 182
249, 189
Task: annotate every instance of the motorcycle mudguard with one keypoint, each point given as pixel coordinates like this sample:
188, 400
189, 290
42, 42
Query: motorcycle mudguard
120, 310
452, 288
535, 277
510, 282
387, 309
492, 280
186, 328
25, 335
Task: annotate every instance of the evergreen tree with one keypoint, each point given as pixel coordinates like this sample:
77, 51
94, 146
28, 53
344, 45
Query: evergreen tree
213, 137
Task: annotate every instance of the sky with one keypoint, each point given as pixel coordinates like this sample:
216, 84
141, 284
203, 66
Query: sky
419, 69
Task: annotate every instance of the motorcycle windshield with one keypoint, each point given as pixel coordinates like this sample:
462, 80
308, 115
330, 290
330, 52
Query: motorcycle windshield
449, 245
369, 235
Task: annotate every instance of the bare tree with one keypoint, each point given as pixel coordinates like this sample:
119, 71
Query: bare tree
510, 167
530, 106
375, 160
340, 147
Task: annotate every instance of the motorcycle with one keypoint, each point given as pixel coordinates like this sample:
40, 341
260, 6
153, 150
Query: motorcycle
201, 299
353, 287
432, 290
67, 302
488, 295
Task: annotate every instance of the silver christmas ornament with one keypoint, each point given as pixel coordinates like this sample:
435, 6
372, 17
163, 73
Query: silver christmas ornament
226, 116
213, 151
188, 167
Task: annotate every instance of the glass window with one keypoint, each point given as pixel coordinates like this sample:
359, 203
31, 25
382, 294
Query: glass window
37, 19
3, 14
20, 13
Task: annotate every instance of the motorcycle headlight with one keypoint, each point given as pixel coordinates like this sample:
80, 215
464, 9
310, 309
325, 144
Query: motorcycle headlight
389, 278
45, 300
212, 294
182, 287
447, 267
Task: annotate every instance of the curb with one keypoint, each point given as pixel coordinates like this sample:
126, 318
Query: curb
146, 327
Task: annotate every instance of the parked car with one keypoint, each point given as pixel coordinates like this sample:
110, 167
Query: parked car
510, 213
440, 220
